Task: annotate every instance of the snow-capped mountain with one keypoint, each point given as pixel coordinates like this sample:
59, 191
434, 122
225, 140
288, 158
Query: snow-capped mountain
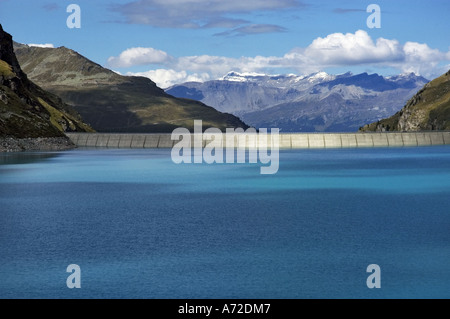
317, 102
276, 80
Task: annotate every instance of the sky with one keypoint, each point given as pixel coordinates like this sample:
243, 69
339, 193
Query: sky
174, 41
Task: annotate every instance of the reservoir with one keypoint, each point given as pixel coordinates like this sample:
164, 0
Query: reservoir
141, 226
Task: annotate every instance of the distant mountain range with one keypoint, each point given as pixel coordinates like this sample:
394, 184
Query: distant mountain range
110, 102
69, 85
428, 110
319, 102
28, 111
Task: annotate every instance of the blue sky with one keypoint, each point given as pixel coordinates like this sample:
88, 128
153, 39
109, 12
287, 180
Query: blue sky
173, 41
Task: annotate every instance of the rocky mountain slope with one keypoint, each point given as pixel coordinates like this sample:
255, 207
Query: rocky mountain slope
317, 102
110, 102
428, 110
28, 111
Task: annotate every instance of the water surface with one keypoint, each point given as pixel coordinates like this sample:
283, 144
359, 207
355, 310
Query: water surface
140, 226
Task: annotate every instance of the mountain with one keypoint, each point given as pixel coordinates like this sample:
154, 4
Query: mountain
241, 93
428, 110
28, 111
110, 102
317, 102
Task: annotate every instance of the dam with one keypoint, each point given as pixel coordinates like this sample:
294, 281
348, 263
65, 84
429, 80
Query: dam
286, 140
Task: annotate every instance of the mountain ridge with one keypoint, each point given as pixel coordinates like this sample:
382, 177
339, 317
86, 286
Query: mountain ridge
427, 110
111, 102
317, 102
27, 111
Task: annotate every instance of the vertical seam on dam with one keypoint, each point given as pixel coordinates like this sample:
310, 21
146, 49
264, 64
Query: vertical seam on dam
107, 142
159, 141
145, 141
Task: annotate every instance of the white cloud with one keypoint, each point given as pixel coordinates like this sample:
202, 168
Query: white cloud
421, 59
213, 65
334, 50
165, 78
351, 49
138, 56
46, 45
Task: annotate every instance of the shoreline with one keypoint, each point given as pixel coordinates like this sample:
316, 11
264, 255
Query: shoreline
13, 144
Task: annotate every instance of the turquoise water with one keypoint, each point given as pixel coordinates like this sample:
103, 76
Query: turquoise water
140, 226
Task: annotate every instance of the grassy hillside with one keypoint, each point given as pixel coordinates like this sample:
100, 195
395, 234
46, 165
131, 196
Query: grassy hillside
428, 110
26, 110
110, 102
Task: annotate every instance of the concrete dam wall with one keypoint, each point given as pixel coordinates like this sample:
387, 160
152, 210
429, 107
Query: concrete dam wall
287, 140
